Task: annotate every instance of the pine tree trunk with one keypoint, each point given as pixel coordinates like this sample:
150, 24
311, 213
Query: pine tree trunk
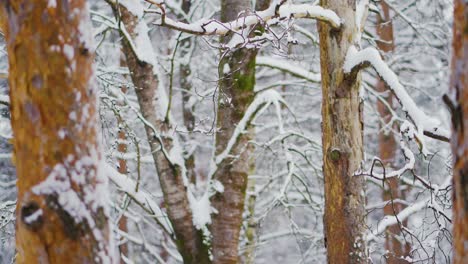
387, 145
459, 90
62, 205
236, 92
342, 140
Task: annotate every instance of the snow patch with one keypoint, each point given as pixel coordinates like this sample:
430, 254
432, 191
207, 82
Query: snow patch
33, 217
312, 11
69, 51
133, 6
52, 4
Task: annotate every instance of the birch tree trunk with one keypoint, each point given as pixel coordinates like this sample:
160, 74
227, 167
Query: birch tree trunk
188, 238
387, 145
342, 140
237, 73
62, 214
459, 90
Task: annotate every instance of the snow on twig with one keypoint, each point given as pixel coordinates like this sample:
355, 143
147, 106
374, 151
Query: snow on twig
409, 156
390, 220
424, 124
288, 67
268, 97
143, 198
215, 27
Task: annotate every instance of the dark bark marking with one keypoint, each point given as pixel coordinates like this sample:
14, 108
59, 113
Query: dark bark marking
28, 210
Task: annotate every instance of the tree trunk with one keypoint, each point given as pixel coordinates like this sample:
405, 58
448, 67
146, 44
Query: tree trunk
387, 145
123, 169
459, 90
62, 214
236, 92
342, 140
188, 108
188, 238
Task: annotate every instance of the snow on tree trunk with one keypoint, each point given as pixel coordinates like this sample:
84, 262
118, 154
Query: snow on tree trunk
342, 139
236, 92
459, 91
140, 61
62, 207
388, 145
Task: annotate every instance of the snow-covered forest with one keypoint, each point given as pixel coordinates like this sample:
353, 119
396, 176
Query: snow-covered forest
233, 131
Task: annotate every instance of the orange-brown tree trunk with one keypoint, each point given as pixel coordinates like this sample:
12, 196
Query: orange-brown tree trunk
123, 169
459, 90
342, 140
387, 145
62, 205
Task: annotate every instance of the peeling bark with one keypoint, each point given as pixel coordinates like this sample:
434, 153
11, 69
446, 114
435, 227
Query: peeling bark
459, 90
342, 140
62, 214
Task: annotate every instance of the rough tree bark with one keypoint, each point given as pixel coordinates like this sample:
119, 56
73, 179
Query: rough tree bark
188, 238
62, 193
388, 145
342, 140
459, 91
237, 73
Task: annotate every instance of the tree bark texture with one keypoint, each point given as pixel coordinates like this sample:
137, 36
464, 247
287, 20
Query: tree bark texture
188, 238
342, 140
236, 92
388, 145
459, 91
61, 214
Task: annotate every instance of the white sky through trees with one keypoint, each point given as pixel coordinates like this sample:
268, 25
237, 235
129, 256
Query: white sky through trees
284, 199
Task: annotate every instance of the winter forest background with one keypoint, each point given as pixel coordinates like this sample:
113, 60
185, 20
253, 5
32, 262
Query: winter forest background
282, 217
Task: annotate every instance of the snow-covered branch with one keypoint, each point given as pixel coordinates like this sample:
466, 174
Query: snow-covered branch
4, 99
409, 165
285, 66
276, 10
264, 98
143, 198
424, 124
390, 220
